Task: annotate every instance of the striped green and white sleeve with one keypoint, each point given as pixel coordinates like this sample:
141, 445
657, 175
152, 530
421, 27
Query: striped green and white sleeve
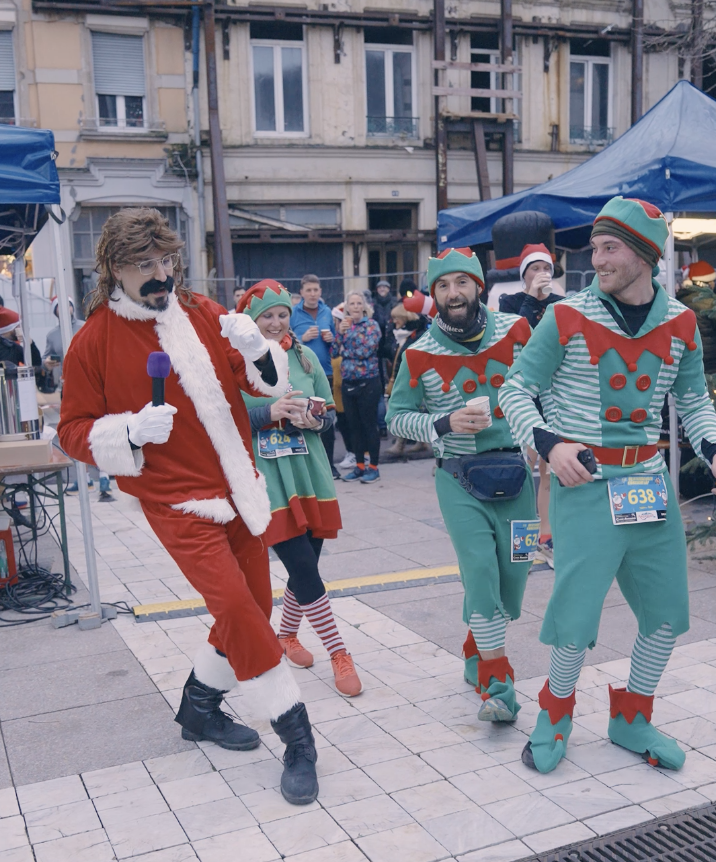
693, 402
530, 375
405, 417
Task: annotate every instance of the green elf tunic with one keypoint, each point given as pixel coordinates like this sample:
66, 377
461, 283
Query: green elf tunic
300, 487
437, 377
607, 389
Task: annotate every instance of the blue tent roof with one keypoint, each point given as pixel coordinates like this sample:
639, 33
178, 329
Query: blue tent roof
668, 158
28, 181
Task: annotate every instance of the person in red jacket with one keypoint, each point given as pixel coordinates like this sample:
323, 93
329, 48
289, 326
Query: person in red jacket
190, 464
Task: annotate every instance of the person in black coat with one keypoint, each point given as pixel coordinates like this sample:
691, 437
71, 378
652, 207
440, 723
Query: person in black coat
536, 272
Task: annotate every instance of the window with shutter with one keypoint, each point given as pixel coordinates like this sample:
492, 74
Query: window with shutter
279, 80
7, 78
119, 80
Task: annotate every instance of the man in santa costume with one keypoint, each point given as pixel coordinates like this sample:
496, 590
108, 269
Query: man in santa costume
190, 464
608, 356
461, 360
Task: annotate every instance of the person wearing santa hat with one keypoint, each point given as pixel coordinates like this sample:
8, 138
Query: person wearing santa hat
10, 349
190, 464
445, 394
603, 360
697, 293
536, 272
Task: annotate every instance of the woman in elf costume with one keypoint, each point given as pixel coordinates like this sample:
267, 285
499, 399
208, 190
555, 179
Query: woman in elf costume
304, 510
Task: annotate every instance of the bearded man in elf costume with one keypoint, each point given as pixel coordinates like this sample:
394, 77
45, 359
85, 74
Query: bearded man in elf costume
190, 464
609, 356
465, 355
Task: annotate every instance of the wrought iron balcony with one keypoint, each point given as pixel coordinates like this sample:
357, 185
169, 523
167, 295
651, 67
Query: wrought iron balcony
596, 136
393, 127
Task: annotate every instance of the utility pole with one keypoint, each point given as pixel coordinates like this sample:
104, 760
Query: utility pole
441, 153
222, 232
697, 57
508, 139
637, 60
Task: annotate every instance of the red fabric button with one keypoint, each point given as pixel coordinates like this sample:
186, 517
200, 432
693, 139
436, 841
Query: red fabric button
498, 412
613, 414
469, 386
482, 378
638, 415
497, 380
643, 382
617, 381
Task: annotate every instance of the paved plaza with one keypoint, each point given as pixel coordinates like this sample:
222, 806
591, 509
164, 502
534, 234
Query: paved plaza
93, 767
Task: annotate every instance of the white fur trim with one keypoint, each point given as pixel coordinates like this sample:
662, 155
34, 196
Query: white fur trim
109, 442
127, 308
218, 510
280, 361
192, 364
273, 693
531, 258
213, 669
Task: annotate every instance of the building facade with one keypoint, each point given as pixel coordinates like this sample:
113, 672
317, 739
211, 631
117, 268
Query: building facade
327, 116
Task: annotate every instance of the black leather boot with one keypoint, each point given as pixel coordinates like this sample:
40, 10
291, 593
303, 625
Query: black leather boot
299, 784
201, 719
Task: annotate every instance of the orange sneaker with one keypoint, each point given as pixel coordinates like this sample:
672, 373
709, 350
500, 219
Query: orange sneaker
345, 675
297, 654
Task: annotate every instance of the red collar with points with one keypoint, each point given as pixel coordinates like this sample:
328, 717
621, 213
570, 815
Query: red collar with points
600, 338
448, 366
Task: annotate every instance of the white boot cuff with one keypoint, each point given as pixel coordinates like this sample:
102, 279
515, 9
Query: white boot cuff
272, 693
213, 669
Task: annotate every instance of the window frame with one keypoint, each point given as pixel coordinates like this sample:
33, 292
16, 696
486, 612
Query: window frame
121, 125
389, 83
122, 115
589, 62
277, 45
14, 91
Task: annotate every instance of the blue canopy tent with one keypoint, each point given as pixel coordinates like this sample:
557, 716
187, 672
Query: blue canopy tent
28, 183
668, 158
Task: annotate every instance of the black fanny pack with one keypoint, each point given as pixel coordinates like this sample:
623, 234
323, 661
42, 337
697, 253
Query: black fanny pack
496, 475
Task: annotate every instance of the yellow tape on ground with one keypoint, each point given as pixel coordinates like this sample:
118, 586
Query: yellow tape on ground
347, 583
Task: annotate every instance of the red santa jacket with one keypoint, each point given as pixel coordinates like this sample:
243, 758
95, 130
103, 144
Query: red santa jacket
208, 457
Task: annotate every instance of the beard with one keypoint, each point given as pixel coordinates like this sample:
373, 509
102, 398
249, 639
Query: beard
149, 292
462, 317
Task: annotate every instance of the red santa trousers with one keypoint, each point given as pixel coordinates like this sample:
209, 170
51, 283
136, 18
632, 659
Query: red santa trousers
230, 568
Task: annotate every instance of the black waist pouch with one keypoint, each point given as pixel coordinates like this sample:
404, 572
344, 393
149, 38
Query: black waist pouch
489, 475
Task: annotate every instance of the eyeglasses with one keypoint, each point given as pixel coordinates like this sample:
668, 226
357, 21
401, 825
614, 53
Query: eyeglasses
168, 263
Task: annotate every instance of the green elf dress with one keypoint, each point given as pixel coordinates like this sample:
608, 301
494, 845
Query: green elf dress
437, 377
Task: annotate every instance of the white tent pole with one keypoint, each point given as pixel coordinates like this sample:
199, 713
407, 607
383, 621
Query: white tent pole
20, 288
674, 453
94, 619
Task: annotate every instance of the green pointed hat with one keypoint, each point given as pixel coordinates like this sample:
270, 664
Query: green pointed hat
639, 224
263, 296
454, 260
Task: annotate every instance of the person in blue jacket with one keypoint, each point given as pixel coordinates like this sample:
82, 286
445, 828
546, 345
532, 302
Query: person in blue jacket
312, 323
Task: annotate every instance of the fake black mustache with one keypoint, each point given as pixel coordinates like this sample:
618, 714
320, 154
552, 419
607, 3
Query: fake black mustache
156, 286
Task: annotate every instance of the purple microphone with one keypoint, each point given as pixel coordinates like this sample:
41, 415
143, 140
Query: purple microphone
158, 367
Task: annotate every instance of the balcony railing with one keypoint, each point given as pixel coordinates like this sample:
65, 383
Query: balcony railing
596, 136
393, 127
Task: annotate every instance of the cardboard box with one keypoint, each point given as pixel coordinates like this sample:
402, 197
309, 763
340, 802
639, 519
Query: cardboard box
25, 453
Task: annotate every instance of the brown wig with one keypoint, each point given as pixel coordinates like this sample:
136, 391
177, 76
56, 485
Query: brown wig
133, 235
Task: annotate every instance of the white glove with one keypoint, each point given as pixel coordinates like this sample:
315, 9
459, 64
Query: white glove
151, 425
244, 335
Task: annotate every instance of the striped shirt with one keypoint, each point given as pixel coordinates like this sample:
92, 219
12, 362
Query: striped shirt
417, 402
607, 388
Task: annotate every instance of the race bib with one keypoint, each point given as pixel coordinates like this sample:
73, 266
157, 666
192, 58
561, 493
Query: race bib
525, 539
275, 443
637, 499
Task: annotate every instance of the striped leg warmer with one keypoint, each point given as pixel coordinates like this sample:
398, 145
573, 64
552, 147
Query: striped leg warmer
649, 658
564, 666
489, 634
320, 616
291, 615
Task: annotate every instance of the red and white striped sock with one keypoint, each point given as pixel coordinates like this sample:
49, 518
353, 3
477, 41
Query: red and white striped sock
291, 615
320, 615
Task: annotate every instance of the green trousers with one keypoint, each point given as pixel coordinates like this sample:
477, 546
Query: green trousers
481, 535
648, 560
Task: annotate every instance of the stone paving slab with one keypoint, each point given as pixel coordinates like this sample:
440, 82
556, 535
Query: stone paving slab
406, 770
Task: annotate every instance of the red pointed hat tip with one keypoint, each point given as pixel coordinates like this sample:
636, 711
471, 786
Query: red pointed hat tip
464, 251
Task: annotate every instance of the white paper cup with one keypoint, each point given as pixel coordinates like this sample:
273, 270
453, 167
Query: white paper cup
316, 405
482, 402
